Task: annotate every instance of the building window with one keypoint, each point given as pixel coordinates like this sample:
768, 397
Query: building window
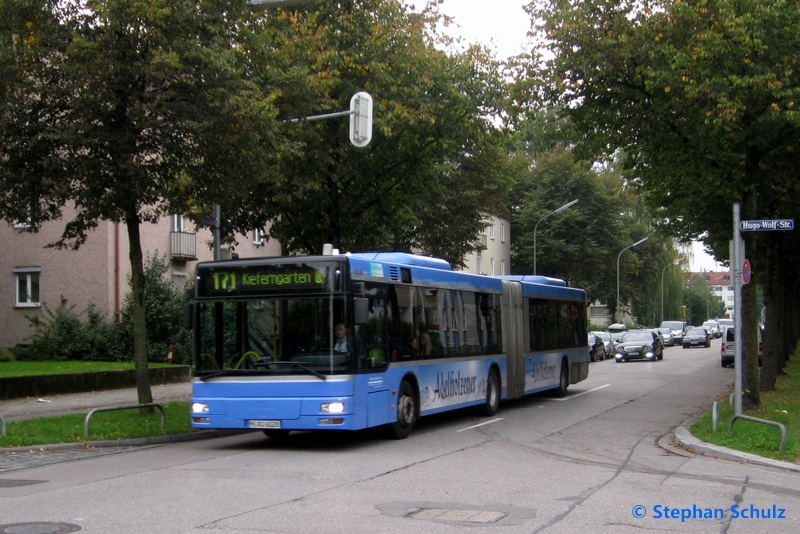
28, 293
478, 264
502, 267
483, 240
177, 223
258, 237
491, 230
502, 232
491, 266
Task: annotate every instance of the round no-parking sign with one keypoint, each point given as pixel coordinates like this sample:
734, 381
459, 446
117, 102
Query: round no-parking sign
746, 272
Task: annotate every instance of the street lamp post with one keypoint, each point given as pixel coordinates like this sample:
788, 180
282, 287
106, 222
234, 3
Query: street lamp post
562, 208
619, 305
664, 270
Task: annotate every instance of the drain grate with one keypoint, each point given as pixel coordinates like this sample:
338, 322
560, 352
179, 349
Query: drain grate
11, 483
462, 516
39, 528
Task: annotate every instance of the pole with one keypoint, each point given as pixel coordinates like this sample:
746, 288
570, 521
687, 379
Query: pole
736, 267
664, 270
562, 208
619, 304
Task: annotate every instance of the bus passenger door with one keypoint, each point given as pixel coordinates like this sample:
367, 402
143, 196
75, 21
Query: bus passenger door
513, 330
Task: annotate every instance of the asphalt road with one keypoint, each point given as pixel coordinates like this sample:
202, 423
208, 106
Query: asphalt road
596, 461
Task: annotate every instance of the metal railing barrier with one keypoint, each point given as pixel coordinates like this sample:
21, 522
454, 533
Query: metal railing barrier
762, 421
128, 407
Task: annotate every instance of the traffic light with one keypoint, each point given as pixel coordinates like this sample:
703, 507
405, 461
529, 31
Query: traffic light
361, 119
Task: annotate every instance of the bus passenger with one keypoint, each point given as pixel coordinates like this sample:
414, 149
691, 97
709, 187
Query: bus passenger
341, 338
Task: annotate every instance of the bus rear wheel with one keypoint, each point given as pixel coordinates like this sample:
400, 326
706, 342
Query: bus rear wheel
563, 382
406, 412
492, 404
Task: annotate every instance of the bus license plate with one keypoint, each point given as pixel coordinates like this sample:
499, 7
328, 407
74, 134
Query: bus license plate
265, 424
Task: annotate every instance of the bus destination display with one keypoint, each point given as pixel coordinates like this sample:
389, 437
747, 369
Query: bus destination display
270, 279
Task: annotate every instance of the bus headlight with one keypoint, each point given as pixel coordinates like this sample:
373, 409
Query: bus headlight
199, 407
332, 407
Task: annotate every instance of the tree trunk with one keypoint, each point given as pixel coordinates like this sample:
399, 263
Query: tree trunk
750, 373
774, 301
144, 393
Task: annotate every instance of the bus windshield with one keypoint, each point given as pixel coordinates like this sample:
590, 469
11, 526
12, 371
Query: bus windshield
273, 336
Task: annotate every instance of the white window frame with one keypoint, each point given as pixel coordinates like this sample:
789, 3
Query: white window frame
491, 266
258, 236
491, 230
28, 274
502, 232
502, 267
478, 264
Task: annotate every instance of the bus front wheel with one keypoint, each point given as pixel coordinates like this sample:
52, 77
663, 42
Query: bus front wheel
406, 412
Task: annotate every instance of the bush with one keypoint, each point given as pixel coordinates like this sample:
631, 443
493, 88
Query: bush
163, 303
6, 355
61, 334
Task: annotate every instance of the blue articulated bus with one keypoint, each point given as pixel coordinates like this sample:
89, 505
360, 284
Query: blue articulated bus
354, 341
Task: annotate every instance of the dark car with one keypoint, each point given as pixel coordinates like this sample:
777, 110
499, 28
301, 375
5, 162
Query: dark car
597, 349
696, 337
639, 345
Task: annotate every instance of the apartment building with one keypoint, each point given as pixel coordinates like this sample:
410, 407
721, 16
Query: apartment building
98, 272
719, 282
495, 258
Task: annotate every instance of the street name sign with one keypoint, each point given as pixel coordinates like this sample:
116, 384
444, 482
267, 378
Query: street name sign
766, 225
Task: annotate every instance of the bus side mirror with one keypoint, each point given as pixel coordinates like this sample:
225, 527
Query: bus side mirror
360, 311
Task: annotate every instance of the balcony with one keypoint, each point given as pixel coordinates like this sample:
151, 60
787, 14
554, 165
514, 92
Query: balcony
183, 246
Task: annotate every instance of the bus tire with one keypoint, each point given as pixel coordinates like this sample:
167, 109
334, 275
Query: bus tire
492, 404
563, 382
406, 416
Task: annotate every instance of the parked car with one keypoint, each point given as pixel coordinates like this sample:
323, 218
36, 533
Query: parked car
713, 328
666, 335
616, 330
608, 342
678, 329
696, 337
597, 349
727, 349
639, 344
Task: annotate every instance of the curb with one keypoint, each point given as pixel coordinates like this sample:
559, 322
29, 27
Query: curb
133, 442
685, 439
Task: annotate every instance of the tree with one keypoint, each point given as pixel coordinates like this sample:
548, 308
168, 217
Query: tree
117, 109
436, 161
700, 94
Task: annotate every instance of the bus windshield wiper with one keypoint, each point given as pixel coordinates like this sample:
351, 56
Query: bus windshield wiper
227, 372
295, 364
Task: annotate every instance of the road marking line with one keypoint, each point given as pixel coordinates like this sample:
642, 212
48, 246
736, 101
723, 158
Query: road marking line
482, 424
583, 393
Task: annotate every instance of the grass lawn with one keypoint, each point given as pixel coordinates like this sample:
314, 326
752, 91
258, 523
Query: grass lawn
781, 405
8, 369
116, 425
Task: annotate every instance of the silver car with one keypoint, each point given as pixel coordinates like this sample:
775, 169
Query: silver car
696, 337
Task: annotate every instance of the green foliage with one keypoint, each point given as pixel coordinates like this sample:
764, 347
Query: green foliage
6, 356
435, 161
163, 303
